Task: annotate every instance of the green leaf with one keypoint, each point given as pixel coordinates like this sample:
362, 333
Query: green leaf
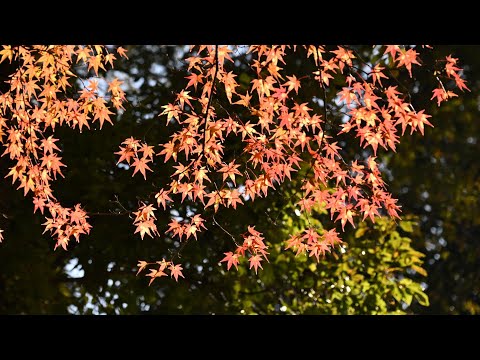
406, 226
422, 298
361, 230
397, 295
419, 270
408, 298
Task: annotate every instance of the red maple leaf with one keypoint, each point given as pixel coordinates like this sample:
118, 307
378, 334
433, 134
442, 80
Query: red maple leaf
255, 262
407, 58
232, 259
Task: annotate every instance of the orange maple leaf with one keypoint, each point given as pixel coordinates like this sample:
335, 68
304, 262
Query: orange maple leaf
141, 165
155, 274
122, 52
176, 271
162, 197
145, 227
141, 265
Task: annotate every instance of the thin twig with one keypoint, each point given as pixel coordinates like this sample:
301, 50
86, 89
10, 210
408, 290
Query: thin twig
224, 230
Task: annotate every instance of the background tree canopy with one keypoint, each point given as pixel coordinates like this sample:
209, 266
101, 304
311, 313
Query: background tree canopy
381, 268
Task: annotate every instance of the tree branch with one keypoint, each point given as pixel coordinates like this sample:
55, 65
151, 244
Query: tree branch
210, 102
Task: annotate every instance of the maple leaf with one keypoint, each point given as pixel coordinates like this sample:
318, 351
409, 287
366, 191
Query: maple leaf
331, 149
191, 229
183, 97
95, 62
318, 249
244, 99
162, 197
316, 51
200, 175
198, 191
141, 265
170, 150
231, 259
83, 53
407, 58
176, 271
184, 189
392, 207
155, 274
176, 228
110, 58
147, 151
349, 96
377, 74
222, 52
7, 53
255, 262
52, 162
230, 85
461, 83
182, 171
368, 209
122, 52
392, 50
48, 145
293, 83
30, 88
163, 264
233, 198
141, 165
345, 56
145, 212
144, 227
229, 171
195, 79
16, 172
102, 113
346, 214
331, 237
125, 154
172, 111
419, 120
78, 215
198, 221
296, 242
39, 204
63, 242
441, 95
215, 200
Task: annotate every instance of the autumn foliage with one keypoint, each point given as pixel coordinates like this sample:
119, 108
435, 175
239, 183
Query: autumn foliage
274, 123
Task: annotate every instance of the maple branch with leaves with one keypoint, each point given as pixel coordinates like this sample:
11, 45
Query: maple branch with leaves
278, 132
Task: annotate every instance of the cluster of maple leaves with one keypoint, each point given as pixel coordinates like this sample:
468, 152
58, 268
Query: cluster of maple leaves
279, 134
40, 98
